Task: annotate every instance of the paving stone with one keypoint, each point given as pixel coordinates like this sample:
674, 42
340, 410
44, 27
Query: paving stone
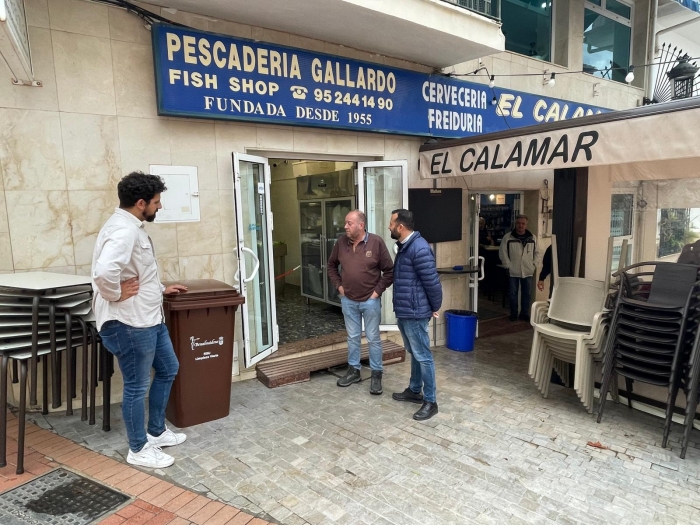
496, 453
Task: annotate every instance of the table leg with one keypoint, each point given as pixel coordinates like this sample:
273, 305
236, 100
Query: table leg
3, 411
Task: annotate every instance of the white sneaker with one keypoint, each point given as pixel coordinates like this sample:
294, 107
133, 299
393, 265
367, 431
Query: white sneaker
166, 439
150, 456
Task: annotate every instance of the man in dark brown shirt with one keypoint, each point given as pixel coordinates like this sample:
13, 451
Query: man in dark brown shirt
361, 268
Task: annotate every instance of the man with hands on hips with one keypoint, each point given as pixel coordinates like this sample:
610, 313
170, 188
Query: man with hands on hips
128, 306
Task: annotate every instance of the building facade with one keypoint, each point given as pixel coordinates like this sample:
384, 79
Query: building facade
65, 145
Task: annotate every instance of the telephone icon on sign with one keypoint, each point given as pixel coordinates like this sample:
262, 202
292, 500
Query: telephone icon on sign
299, 92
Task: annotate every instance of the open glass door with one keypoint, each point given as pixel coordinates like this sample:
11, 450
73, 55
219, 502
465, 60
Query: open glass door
382, 188
254, 251
474, 258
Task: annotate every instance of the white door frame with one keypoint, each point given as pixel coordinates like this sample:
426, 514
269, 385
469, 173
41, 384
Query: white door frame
242, 274
361, 204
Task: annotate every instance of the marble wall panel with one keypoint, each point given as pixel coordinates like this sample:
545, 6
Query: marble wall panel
39, 229
76, 16
89, 210
44, 97
311, 142
143, 141
231, 138
370, 145
4, 225
37, 12
84, 76
203, 237
339, 144
5, 252
164, 237
230, 266
91, 148
202, 267
169, 268
126, 27
399, 149
67, 270
194, 144
228, 222
31, 150
275, 138
134, 79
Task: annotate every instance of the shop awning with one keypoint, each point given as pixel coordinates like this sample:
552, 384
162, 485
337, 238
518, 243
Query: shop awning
648, 134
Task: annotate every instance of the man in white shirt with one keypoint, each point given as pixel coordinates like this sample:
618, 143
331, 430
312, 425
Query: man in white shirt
128, 305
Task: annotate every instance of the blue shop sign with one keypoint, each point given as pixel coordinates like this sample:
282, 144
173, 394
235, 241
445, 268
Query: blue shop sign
212, 76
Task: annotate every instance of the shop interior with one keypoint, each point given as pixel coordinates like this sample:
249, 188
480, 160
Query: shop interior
497, 212
309, 201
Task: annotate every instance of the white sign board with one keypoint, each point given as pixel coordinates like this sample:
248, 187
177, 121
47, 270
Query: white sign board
14, 39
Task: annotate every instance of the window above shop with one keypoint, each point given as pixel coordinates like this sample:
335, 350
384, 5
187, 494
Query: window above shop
527, 26
607, 38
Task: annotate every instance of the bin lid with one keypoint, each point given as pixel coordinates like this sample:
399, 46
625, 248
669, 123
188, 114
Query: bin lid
199, 289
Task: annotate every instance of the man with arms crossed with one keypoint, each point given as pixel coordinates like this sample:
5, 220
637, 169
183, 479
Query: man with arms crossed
417, 298
367, 271
128, 305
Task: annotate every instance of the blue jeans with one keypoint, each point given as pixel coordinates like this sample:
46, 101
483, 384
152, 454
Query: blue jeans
354, 312
417, 343
525, 284
138, 350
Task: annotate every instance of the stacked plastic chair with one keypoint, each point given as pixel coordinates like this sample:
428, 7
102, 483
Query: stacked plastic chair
652, 329
572, 331
692, 392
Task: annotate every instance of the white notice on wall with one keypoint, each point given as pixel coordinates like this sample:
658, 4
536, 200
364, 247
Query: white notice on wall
181, 200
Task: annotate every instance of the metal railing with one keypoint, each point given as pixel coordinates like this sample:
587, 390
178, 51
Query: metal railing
490, 8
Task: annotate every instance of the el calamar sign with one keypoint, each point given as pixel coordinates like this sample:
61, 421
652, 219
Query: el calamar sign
628, 137
212, 76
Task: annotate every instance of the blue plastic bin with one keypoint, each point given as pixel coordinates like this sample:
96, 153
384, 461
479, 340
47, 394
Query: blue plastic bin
461, 330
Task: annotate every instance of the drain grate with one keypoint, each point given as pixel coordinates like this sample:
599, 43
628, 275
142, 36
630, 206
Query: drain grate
58, 498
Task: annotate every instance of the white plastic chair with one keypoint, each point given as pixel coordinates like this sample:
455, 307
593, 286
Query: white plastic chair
577, 305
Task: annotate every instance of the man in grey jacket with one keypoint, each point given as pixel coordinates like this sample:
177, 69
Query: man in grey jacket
519, 253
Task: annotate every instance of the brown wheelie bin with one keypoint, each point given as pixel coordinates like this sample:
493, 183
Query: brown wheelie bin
201, 322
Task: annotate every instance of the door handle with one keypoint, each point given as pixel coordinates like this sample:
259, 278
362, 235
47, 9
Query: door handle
481, 268
257, 264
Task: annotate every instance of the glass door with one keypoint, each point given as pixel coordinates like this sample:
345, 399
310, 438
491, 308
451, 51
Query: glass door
334, 214
254, 251
382, 188
622, 224
312, 261
475, 257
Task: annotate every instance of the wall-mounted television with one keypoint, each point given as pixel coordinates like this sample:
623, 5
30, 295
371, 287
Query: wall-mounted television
437, 213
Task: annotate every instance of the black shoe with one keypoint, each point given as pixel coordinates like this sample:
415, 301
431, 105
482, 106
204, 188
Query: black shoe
408, 395
426, 411
375, 387
350, 377
513, 318
525, 317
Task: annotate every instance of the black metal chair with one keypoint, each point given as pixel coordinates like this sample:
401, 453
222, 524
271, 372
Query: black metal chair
648, 339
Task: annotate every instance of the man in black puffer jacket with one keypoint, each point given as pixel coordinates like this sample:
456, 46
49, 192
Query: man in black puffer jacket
417, 298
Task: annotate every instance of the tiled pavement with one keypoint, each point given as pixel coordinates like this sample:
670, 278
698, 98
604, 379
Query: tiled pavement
497, 452
154, 500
